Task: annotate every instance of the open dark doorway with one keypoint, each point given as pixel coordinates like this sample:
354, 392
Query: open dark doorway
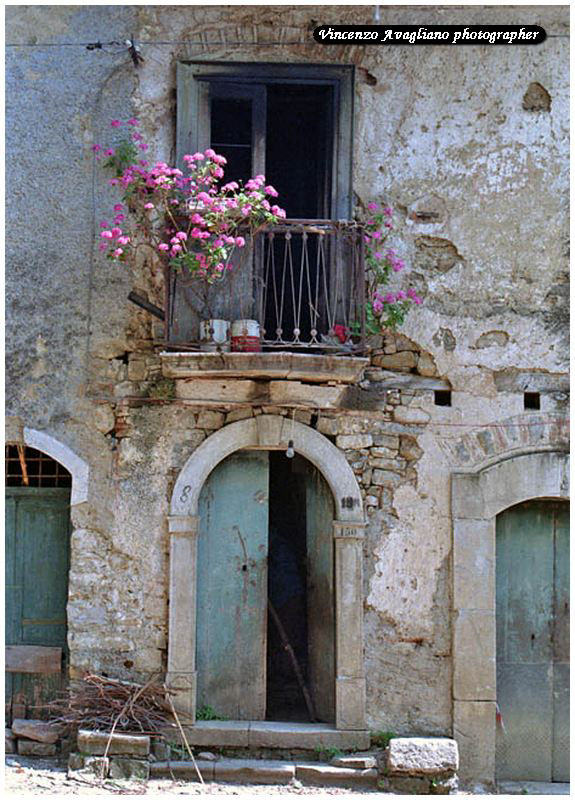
287, 582
286, 131
300, 627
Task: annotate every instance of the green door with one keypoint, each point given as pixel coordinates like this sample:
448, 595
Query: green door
232, 588
37, 554
532, 591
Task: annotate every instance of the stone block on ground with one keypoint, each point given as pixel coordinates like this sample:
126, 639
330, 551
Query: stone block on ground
37, 729
27, 747
356, 761
96, 742
422, 756
129, 769
89, 765
327, 775
253, 771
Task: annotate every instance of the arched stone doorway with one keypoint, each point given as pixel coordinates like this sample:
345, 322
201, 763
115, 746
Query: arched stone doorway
44, 480
478, 497
269, 432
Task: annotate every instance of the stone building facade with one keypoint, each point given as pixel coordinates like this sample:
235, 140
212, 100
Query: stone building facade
433, 438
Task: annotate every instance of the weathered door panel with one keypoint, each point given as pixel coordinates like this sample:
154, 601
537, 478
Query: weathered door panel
525, 697
560, 765
37, 562
529, 631
232, 587
320, 598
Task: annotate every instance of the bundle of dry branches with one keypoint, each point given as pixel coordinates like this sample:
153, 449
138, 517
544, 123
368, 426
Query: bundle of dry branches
100, 703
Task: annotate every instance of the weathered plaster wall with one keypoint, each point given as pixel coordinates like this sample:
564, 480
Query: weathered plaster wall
480, 185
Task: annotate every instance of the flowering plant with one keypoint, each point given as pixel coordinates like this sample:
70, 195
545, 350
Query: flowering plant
191, 221
384, 310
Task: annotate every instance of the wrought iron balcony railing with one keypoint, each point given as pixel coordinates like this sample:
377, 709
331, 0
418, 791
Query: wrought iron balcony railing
303, 281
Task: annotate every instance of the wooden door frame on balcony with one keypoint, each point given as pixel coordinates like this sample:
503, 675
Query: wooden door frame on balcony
193, 87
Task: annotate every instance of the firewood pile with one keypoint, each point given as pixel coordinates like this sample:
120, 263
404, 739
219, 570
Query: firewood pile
100, 703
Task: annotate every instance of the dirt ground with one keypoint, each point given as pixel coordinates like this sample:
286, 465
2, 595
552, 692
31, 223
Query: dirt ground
30, 777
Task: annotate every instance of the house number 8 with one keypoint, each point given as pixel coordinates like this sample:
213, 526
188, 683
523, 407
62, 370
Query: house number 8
185, 494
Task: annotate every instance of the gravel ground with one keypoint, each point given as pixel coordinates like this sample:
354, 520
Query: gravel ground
30, 777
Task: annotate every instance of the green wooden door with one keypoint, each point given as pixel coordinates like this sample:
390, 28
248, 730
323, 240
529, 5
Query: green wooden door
232, 588
532, 585
37, 554
320, 597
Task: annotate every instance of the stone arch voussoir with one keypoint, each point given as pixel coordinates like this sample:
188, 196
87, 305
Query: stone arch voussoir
76, 466
269, 432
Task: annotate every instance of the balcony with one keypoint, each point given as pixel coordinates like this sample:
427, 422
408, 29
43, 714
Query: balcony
303, 281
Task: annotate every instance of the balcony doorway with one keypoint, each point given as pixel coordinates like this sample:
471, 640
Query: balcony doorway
292, 123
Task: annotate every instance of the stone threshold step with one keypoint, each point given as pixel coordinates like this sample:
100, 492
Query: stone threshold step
231, 770
288, 735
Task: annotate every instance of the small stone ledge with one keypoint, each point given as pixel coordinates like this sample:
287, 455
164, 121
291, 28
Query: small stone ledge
306, 367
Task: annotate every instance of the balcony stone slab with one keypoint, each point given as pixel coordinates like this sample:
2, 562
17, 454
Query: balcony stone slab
303, 367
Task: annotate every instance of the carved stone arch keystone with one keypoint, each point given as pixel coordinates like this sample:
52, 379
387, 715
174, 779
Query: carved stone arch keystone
270, 432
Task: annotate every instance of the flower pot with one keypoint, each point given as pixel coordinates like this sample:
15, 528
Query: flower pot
246, 336
215, 335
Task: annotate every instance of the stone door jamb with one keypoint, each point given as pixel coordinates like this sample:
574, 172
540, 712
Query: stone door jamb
477, 498
270, 432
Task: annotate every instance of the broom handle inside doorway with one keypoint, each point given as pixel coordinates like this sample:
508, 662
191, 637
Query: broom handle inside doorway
287, 646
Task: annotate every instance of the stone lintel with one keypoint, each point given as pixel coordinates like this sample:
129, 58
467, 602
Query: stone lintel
184, 525
348, 530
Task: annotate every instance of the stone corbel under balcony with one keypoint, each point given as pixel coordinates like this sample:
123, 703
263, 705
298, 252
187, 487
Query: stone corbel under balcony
316, 381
